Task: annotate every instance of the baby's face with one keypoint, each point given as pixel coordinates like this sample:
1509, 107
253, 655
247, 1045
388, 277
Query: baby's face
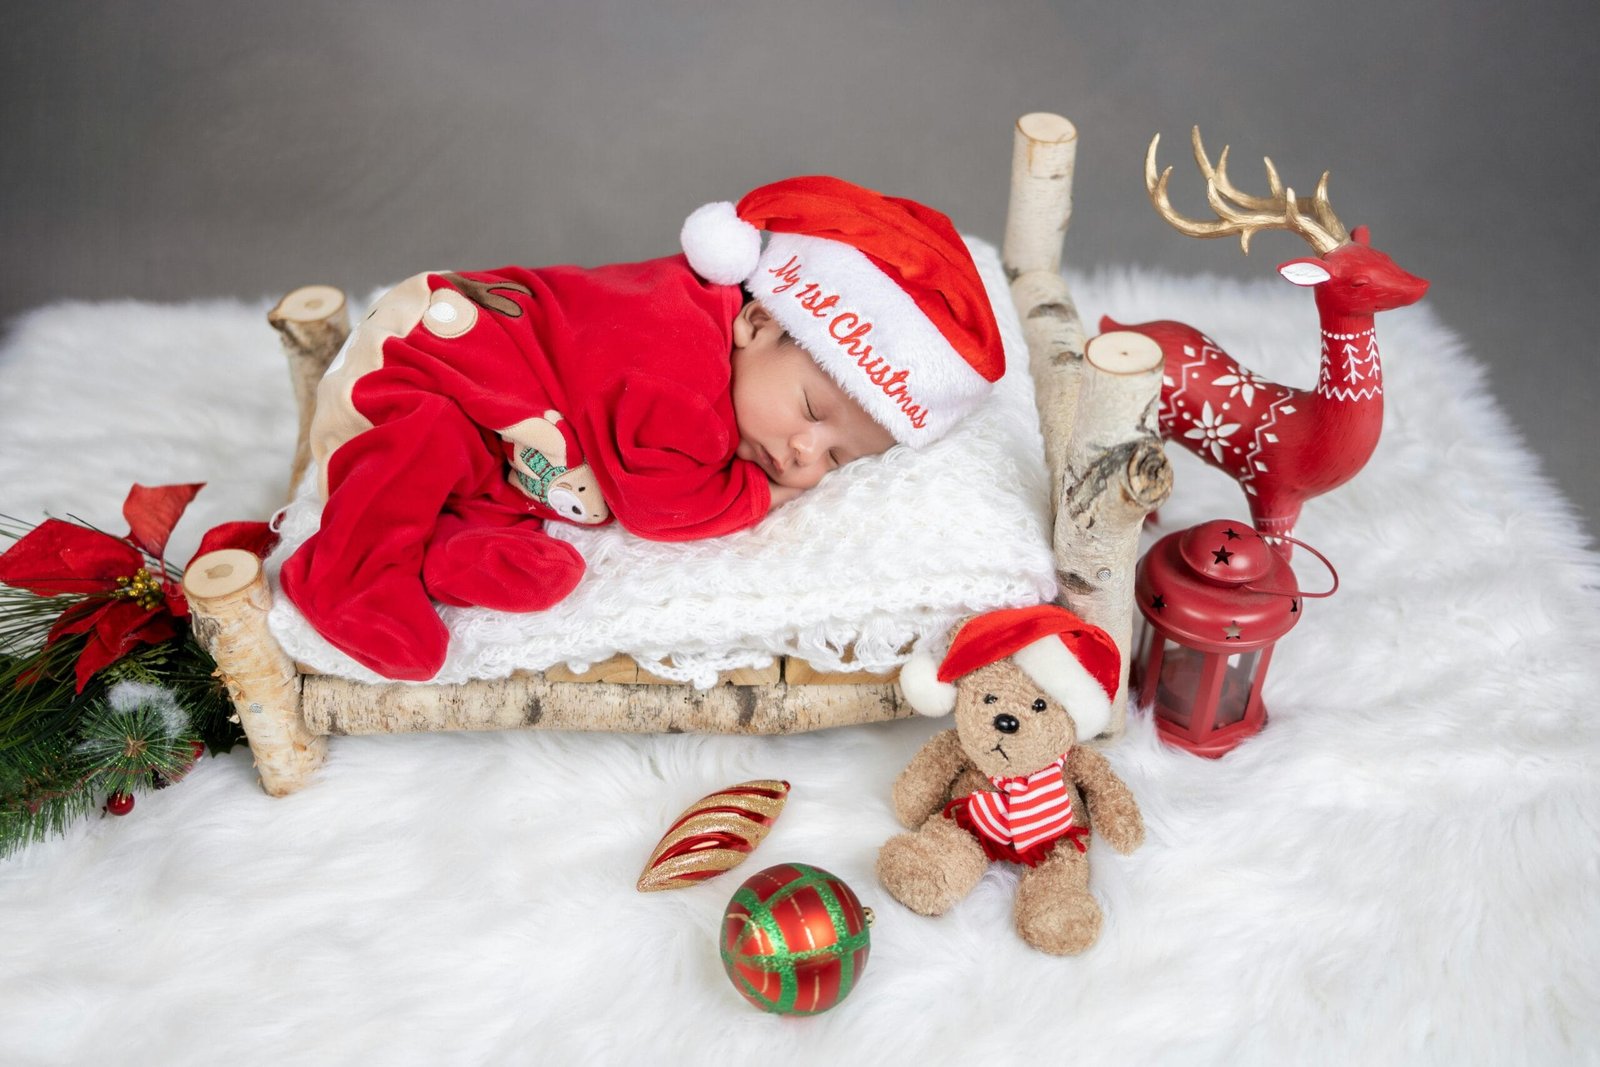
795, 422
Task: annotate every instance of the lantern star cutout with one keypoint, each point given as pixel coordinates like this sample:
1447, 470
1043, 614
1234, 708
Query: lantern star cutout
1158, 603
1232, 631
1231, 534
1222, 556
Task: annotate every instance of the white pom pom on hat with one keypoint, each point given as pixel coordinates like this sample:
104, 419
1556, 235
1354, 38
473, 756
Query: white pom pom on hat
720, 246
1073, 661
920, 685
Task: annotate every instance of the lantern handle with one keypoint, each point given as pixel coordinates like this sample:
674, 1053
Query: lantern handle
1297, 593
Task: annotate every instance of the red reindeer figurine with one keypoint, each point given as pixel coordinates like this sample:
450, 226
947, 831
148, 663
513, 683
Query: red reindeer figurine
1283, 445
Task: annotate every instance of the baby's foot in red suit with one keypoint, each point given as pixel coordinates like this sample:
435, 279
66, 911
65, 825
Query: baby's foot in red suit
503, 568
387, 623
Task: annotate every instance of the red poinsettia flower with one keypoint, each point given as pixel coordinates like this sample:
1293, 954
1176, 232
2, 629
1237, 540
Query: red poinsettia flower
128, 599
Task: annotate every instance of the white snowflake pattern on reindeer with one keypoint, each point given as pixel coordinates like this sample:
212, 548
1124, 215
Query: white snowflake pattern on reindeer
1209, 429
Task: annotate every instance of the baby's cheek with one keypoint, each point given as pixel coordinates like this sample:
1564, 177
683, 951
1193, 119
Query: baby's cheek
803, 479
782, 494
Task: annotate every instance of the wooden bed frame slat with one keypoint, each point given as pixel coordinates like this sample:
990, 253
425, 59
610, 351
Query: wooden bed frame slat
527, 701
622, 670
1107, 472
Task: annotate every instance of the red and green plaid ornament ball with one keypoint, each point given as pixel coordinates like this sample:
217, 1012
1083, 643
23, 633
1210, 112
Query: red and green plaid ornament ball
795, 939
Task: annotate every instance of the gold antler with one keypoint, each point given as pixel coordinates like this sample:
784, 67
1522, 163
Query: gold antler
1241, 214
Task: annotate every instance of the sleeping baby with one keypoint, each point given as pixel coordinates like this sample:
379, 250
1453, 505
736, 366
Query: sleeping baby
682, 397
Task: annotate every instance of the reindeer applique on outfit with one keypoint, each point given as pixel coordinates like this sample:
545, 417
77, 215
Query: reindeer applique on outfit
1283, 445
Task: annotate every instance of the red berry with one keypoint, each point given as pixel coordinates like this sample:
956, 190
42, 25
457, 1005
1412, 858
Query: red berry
197, 748
119, 803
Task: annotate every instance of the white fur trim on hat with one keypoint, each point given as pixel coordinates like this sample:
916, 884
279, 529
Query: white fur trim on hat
1054, 668
720, 246
868, 334
920, 685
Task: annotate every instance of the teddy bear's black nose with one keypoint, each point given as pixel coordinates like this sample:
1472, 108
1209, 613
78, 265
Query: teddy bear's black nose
1007, 724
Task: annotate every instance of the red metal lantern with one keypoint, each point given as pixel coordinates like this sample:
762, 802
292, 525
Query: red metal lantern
1216, 599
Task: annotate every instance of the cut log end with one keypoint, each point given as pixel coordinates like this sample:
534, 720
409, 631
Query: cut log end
1045, 127
220, 574
309, 303
1149, 475
1123, 352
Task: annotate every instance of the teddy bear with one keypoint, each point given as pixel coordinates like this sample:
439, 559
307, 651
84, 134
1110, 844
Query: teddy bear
547, 466
1010, 781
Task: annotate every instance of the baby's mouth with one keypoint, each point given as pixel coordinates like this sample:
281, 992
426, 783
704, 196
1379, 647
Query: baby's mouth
766, 462
752, 451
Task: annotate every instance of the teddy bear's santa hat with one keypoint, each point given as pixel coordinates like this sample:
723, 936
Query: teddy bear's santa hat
1073, 661
881, 291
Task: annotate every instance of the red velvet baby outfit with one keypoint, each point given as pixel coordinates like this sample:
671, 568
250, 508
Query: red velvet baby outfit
632, 359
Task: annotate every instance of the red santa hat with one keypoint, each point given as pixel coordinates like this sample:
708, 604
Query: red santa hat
881, 291
1074, 661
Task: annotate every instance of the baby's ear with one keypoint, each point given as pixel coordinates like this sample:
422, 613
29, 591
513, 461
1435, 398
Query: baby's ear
745, 324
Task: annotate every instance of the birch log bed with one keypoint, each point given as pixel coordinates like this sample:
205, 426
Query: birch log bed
1097, 404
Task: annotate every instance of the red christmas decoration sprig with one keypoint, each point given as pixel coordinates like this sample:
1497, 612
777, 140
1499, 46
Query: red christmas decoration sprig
78, 740
125, 593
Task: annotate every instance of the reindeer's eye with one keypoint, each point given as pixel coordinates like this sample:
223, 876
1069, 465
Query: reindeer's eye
989, 698
1039, 705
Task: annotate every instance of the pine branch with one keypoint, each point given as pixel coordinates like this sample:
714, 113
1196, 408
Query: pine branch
36, 694
129, 743
121, 748
188, 672
39, 793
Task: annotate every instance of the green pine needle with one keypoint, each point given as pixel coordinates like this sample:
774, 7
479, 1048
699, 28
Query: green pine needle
121, 748
40, 795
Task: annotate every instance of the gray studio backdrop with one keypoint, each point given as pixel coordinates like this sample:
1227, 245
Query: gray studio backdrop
172, 150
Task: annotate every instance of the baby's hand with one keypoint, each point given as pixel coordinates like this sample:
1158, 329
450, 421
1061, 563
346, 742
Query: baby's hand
782, 494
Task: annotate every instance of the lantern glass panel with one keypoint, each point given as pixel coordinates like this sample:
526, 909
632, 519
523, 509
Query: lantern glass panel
1237, 683
1141, 654
1181, 671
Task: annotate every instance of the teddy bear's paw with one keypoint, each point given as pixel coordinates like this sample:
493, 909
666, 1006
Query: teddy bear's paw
929, 873
1125, 836
1059, 925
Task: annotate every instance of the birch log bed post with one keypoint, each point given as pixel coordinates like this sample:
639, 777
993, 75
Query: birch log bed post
1097, 400
313, 322
228, 599
287, 712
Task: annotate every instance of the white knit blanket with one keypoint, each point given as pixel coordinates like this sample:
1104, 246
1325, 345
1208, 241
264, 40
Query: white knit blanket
883, 552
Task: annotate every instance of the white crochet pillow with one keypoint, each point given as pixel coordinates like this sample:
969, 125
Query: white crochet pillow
883, 552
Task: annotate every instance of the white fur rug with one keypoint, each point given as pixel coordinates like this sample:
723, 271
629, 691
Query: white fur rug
1403, 868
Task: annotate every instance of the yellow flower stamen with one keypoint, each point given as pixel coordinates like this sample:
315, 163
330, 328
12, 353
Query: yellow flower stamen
141, 587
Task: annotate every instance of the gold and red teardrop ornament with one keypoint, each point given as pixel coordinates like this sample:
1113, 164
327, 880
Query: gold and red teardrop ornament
715, 834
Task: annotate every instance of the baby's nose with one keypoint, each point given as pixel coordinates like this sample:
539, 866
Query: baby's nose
806, 447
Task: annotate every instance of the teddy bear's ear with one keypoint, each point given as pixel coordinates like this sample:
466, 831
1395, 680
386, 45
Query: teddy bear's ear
920, 685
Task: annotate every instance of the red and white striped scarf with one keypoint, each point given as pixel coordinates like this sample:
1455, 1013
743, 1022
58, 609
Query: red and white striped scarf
1024, 811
